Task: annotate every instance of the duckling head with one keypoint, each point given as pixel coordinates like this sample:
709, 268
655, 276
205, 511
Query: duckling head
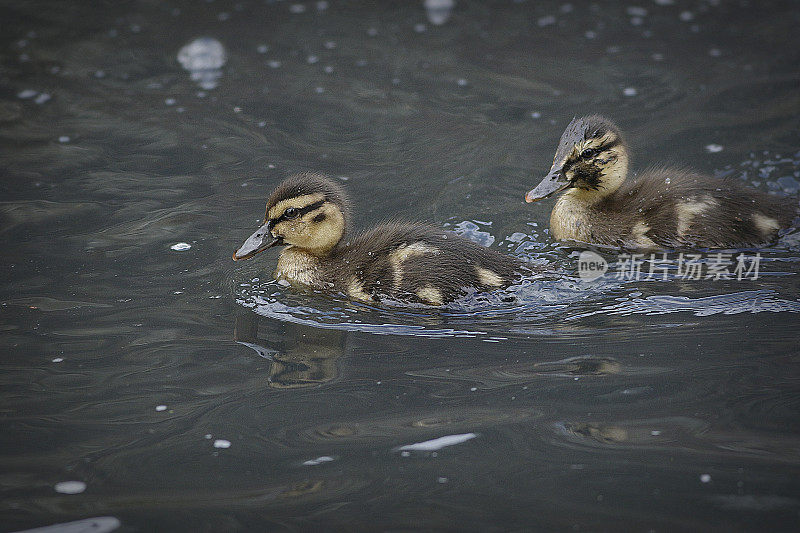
591, 161
307, 211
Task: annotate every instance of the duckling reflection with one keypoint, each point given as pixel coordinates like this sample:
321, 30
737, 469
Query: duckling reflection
401, 261
308, 357
662, 208
603, 433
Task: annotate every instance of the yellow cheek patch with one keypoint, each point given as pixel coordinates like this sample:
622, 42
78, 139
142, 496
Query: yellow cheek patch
297, 202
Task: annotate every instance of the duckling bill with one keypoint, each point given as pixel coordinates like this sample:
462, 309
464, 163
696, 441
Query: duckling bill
308, 214
662, 208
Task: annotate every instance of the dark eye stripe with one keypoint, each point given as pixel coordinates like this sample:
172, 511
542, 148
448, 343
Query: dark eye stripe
300, 212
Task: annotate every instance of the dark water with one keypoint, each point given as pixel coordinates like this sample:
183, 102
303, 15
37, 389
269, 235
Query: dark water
188, 393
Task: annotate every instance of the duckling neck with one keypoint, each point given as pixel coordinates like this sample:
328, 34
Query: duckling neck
298, 266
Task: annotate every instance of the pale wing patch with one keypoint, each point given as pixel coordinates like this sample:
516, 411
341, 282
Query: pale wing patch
298, 201
766, 225
355, 290
640, 235
430, 294
405, 252
488, 277
687, 211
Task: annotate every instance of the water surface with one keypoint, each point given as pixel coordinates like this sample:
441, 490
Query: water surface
184, 392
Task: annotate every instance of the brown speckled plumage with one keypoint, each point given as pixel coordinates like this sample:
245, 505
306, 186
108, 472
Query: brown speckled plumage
402, 261
662, 208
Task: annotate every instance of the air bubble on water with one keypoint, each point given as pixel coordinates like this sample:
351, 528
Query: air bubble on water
714, 148
548, 20
222, 443
203, 58
27, 93
70, 487
439, 11
180, 246
629, 91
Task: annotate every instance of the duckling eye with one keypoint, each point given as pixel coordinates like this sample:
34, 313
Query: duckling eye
589, 152
291, 213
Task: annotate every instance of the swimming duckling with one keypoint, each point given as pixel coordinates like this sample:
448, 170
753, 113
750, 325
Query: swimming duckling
661, 208
411, 262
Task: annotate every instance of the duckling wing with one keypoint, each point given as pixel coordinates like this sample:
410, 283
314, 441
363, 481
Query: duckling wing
680, 208
417, 262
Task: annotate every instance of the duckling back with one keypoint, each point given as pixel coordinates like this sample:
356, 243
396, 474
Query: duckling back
418, 263
670, 208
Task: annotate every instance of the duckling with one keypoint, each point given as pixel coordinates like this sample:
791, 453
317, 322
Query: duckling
403, 261
663, 208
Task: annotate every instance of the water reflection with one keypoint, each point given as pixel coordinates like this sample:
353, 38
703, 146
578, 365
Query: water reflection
301, 356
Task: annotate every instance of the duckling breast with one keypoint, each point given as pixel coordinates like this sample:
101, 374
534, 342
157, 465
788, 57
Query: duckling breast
299, 268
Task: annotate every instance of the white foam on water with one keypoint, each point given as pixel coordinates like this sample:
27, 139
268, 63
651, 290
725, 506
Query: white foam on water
437, 444
70, 487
